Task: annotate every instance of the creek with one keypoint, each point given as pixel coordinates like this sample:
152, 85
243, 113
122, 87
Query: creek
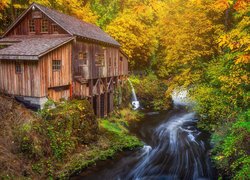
174, 149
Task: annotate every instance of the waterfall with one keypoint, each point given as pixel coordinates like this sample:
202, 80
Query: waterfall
180, 98
135, 103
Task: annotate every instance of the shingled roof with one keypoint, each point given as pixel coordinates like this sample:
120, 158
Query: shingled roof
30, 48
73, 25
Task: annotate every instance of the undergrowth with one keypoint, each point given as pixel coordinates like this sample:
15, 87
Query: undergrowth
59, 140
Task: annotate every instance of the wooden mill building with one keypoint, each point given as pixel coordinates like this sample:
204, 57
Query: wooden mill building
46, 54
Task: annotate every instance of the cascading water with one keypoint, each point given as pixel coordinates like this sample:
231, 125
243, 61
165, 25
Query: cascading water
135, 102
174, 149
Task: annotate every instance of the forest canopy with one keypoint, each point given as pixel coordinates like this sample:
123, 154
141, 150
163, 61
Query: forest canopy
202, 45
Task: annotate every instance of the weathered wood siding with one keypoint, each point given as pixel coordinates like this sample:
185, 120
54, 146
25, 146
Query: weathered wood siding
26, 83
57, 95
92, 70
53, 79
123, 64
22, 28
81, 90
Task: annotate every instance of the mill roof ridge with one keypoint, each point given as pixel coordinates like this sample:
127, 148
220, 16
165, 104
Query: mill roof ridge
77, 27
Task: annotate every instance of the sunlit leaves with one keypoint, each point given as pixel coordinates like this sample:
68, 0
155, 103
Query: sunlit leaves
133, 28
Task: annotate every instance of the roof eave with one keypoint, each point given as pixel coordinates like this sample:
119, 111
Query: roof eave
98, 41
19, 57
55, 47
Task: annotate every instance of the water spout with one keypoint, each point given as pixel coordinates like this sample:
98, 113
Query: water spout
135, 103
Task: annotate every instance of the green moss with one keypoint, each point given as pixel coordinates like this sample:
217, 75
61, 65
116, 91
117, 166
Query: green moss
68, 138
114, 138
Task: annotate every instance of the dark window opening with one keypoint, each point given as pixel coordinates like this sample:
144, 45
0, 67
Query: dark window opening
121, 59
56, 65
99, 56
32, 26
18, 67
99, 59
82, 57
44, 25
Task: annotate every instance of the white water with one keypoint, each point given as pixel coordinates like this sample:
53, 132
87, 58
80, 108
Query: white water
135, 102
174, 149
179, 153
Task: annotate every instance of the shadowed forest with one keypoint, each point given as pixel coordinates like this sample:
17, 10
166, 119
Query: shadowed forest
199, 45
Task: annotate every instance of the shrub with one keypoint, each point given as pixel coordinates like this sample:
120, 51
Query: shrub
151, 92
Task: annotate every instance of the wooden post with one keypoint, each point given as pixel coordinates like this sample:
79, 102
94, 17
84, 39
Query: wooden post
91, 91
106, 97
98, 100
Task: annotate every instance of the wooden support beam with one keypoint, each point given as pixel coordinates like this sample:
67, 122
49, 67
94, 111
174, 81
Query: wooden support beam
106, 97
98, 105
91, 91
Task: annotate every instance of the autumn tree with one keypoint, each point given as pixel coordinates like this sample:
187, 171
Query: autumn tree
188, 39
134, 29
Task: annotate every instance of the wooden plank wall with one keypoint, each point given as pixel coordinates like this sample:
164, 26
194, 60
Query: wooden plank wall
123, 65
26, 83
50, 78
22, 28
81, 90
58, 95
109, 68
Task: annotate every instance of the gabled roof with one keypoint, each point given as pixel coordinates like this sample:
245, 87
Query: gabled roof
72, 25
31, 47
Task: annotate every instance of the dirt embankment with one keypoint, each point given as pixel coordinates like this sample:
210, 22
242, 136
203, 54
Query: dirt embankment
12, 116
60, 141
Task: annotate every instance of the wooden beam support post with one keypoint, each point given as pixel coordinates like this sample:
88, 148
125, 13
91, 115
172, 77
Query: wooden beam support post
98, 103
106, 97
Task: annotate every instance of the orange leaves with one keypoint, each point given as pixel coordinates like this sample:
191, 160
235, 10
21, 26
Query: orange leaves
221, 5
241, 5
245, 59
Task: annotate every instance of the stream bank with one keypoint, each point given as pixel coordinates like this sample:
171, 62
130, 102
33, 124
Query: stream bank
174, 148
58, 142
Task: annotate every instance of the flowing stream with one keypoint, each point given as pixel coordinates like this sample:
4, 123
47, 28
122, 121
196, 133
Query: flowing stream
174, 149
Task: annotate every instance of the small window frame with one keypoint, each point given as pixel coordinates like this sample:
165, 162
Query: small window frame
18, 67
56, 65
100, 56
99, 59
32, 26
83, 57
44, 26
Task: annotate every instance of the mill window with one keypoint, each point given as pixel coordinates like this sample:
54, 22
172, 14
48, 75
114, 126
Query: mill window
32, 25
83, 57
56, 65
99, 57
18, 67
44, 25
